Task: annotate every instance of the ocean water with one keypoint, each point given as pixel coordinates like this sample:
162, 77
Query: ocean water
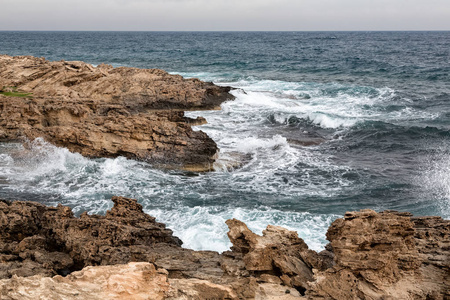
379, 103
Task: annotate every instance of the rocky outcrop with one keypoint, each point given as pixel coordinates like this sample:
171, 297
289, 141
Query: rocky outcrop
279, 256
44, 240
107, 112
134, 281
49, 241
387, 255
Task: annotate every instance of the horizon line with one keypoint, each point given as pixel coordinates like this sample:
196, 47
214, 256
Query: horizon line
388, 30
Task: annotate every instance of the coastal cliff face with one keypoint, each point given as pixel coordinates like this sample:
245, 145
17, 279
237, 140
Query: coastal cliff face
126, 254
107, 112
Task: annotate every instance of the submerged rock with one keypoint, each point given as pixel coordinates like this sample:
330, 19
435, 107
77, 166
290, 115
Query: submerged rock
107, 112
387, 255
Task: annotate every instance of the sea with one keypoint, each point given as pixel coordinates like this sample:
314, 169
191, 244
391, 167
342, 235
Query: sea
323, 123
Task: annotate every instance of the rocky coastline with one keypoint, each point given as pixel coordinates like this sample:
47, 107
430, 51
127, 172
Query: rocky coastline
108, 112
126, 254
49, 253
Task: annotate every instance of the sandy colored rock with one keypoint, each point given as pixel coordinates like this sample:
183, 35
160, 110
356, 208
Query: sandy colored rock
268, 291
196, 289
278, 252
387, 255
134, 281
109, 112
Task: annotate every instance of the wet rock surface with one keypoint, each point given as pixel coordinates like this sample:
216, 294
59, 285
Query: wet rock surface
107, 112
387, 255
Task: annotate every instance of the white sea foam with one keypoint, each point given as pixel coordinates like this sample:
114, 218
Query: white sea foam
329, 105
87, 185
6, 165
252, 144
204, 228
273, 175
330, 122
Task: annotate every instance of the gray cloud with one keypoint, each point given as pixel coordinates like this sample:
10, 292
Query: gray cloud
225, 15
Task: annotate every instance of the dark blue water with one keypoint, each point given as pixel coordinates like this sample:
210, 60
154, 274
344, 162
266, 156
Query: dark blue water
380, 101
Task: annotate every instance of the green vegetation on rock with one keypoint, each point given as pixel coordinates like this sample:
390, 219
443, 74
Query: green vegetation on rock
11, 91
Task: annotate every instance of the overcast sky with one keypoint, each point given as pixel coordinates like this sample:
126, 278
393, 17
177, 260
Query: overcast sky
225, 15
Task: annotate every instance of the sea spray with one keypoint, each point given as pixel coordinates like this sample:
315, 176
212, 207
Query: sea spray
435, 177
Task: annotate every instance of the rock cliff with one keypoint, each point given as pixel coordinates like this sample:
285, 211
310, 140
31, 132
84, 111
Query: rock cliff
387, 255
107, 112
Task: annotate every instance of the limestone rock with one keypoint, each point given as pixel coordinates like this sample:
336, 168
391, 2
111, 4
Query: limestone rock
277, 252
109, 112
387, 255
199, 289
134, 281
44, 240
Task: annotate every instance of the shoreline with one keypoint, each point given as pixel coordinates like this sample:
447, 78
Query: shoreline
139, 113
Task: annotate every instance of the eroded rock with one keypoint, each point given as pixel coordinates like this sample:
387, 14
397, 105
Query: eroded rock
44, 240
279, 255
387, 255
134, 281
109, 112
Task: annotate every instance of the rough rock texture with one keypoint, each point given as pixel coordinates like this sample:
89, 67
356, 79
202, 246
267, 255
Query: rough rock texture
279, 253
387, 255
135, 281
36, 239
107, 112
46, 241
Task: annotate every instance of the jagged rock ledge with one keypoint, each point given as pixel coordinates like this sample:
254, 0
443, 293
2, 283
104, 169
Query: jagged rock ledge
126, 254
108, 112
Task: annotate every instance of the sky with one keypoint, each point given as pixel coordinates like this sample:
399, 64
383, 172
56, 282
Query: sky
224, 15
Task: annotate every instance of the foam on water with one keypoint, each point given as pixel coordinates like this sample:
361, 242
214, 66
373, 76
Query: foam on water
6, 162
329, 105
87, 185
204, 228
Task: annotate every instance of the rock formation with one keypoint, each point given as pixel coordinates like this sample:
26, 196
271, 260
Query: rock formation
44, 240
107, 112
387, 255
135, 281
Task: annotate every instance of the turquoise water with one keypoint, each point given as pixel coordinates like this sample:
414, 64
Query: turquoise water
379, 100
